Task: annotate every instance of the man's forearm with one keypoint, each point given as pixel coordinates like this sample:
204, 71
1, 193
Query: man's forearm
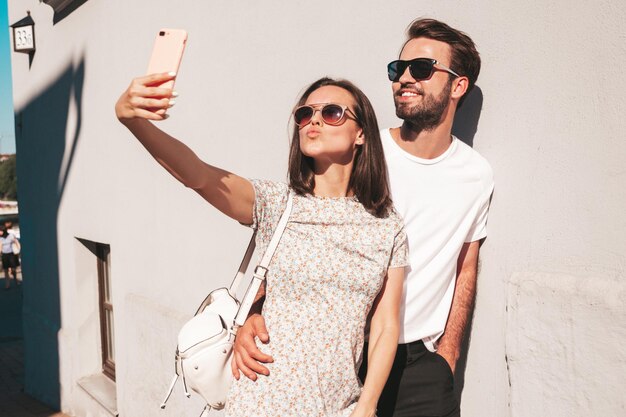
462, 304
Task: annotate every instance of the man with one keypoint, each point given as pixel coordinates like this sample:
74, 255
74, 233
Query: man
442, 188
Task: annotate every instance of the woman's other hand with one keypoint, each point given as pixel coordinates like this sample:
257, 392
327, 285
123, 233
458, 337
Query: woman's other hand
247, 357
144, 100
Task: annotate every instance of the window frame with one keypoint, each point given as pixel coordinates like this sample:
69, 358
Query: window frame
103, 256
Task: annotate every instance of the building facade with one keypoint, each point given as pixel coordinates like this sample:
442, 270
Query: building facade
117, 254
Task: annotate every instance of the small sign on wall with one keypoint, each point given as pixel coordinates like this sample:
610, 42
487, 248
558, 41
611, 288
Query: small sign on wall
24, 35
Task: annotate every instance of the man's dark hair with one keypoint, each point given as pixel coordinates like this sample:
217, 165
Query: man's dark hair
464, 58
368, 180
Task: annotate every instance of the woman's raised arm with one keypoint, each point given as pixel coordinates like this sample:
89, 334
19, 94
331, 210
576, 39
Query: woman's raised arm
142, 102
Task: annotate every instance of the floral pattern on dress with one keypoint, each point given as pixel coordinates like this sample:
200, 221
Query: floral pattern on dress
328, 269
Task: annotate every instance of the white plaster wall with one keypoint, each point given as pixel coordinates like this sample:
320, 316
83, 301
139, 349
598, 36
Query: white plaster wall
564, 344
551, 126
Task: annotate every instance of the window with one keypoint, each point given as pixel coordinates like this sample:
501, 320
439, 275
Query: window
103, 253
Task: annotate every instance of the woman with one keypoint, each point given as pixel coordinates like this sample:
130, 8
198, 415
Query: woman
341, 257
10, 261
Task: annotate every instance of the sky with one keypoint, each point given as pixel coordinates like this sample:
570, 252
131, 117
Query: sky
7, 128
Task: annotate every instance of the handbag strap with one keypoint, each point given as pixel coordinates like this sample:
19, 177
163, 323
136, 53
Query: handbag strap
241, 272
260, 272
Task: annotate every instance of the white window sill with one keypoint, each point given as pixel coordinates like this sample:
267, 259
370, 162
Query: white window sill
101, 389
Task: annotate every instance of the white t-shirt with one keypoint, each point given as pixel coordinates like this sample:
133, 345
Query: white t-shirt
7, 242
444, 202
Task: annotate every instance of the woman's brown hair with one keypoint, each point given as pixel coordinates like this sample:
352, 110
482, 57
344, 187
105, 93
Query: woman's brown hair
368, 180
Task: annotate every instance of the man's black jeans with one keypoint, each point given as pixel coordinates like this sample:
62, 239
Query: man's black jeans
421, 384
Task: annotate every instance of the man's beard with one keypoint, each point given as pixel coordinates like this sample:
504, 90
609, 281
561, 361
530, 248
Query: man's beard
426, 115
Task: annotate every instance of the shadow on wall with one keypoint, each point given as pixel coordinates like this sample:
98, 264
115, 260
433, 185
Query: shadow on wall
43, 170
467, 117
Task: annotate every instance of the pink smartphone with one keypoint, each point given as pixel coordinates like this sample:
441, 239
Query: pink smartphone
167, 53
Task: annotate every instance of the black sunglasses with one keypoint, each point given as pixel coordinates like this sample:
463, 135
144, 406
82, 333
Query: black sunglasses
332, 114
420, 68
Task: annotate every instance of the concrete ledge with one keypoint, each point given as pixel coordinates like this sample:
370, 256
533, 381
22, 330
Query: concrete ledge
101, 389
565, 345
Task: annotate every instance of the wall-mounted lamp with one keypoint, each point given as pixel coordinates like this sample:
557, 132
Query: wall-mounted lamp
24, 35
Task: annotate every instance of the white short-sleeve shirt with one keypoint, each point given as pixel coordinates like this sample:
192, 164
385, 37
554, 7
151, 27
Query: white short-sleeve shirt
444, 202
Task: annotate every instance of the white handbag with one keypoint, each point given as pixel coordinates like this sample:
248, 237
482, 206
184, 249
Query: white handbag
205, 343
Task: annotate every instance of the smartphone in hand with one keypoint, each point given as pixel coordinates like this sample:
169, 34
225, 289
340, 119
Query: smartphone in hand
167, 53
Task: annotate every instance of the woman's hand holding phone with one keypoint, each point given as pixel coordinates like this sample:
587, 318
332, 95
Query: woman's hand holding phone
145, 101
150, 96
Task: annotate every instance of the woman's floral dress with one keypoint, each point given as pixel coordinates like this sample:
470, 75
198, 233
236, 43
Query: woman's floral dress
325, 275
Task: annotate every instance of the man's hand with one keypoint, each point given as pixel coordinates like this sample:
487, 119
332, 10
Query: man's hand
247, 358
450, 357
